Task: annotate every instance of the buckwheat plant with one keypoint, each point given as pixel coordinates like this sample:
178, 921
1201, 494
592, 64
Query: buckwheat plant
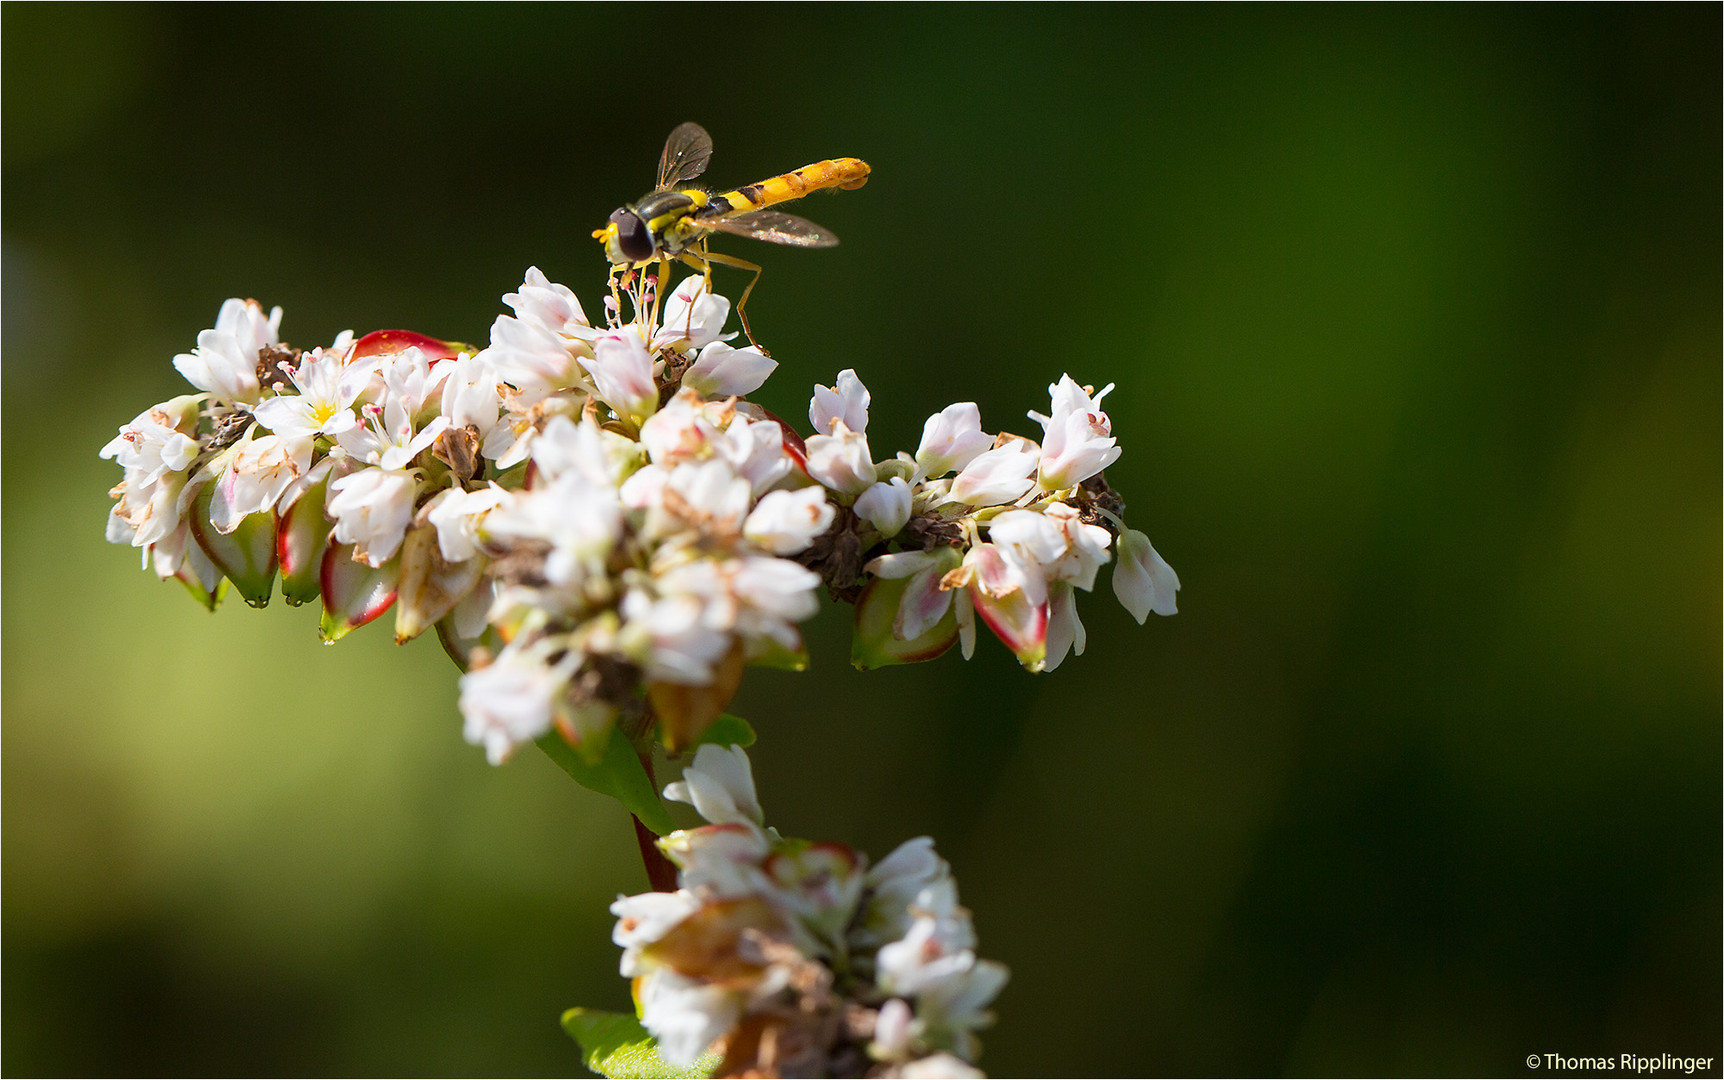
604, 534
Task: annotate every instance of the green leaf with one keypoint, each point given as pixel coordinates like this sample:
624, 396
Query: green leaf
615, 1045
727, 730
618, 774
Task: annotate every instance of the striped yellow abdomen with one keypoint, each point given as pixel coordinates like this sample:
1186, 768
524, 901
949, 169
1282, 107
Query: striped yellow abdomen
847, 173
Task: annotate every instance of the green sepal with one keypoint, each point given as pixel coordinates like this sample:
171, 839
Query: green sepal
615, 1045
245, 556
208, 599
767, 653
618, 774
727, 730
460, 649
872, 644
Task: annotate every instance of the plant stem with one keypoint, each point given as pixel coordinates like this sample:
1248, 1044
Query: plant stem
660, 871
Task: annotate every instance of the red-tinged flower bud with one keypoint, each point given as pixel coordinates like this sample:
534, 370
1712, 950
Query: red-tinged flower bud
998, 588
302, 538
390, 342
245, 556
793, 442
354, 592
1019, 624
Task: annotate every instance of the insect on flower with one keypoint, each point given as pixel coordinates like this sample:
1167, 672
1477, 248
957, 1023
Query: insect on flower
673, 221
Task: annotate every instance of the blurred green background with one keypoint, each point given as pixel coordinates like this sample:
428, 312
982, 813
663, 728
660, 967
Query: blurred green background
1414, 314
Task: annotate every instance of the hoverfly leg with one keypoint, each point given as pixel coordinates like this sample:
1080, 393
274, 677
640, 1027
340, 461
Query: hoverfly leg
742, 304
662, 280
614, 316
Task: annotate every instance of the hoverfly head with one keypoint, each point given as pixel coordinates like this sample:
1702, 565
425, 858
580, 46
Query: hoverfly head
627, 238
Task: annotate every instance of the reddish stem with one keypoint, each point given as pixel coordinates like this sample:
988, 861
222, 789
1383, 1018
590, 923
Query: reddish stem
660, 871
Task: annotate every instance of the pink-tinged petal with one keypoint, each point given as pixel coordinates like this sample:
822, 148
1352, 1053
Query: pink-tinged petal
1065, 630
873, 644
1019, 624
301, 541
430, 587
221, 501
622, 372
723, 371
390, 342
925, 600
245, 556
922, 606
354, 592
966, 613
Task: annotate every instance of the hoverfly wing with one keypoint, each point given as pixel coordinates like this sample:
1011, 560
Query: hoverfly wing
773, 227
685, 155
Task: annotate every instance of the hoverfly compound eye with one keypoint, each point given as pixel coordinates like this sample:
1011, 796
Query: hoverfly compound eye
634, 239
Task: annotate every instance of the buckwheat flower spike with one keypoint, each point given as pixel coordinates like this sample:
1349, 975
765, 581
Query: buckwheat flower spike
1011, 537
791, 958
601, 501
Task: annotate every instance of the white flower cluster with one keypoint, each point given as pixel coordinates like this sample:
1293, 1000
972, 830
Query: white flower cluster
998, 525
596, 522
800, 959
573, 538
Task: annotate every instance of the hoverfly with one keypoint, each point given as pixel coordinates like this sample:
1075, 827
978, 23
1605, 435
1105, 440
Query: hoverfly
673, 221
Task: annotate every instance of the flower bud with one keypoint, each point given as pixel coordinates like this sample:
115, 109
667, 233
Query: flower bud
848, 402
998, 476
723, 371
1001, 597
840, 460
720, 785
1142, 579
951, 439
1065, 630
886, 506
786, 522
354, 591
